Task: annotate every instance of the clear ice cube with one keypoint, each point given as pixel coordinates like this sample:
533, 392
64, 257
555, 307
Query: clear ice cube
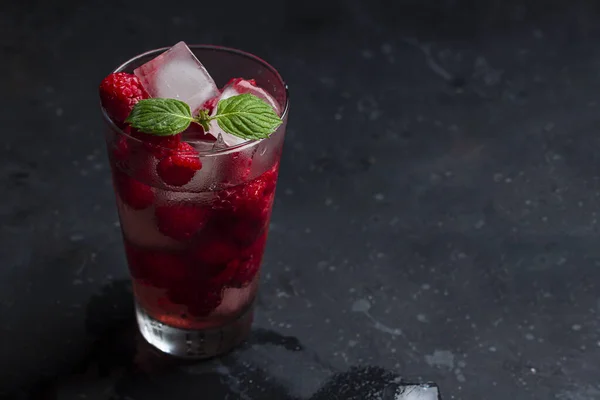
139, 228
177, 74
234, 88
424, 391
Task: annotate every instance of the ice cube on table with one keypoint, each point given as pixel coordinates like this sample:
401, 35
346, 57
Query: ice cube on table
236, 87
424, 391
177, 74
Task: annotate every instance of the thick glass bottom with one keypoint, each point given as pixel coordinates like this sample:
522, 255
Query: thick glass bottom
194, 344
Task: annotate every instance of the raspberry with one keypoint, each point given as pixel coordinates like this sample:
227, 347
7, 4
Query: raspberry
239, 198
269, 179
179, 168
133, 193
252, 199
180, 221
158, 268
216, 276
213, 250
247, 267
166, 269
242, 226
245, 271
259, 190
119, 92
246, 230
255, 199
121, 149
243, 211
136, 267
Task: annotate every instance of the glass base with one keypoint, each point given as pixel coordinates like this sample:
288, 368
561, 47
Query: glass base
194, 344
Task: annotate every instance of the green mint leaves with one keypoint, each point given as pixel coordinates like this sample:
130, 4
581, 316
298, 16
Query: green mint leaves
245, 116
161, 117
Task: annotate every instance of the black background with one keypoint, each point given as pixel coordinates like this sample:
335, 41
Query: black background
436, 214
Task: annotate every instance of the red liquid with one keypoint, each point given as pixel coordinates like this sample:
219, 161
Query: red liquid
194, 256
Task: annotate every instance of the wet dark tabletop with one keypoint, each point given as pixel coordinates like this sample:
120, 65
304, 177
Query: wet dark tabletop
436, 216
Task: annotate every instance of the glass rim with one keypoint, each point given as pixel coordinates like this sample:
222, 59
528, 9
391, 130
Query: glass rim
231, 149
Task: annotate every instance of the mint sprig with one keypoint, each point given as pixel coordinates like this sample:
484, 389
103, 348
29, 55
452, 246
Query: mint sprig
245, 116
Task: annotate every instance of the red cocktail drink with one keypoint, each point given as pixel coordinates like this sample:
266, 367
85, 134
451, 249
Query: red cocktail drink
194, 206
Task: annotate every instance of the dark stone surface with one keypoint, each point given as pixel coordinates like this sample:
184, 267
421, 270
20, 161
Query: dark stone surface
436, 216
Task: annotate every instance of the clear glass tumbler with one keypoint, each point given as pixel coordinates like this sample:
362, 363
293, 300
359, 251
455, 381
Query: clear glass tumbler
194, 251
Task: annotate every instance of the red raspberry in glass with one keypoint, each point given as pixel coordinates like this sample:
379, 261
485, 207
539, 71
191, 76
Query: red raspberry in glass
242, 212
247, 230
259, 191
269, 179
135, 194
243, 227
119, 92
159, 268
120, 149
180, 221
136, 267
179, 168
247, 266
213, 249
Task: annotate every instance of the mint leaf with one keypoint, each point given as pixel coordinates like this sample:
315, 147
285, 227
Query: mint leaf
246, 116
161, 117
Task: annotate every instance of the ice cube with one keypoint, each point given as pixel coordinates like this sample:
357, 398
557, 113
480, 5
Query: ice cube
139, 227
177, 74
425, 391
233, 88
235, 299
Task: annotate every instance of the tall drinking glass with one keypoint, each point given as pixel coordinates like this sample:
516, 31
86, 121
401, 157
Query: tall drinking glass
194, 252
